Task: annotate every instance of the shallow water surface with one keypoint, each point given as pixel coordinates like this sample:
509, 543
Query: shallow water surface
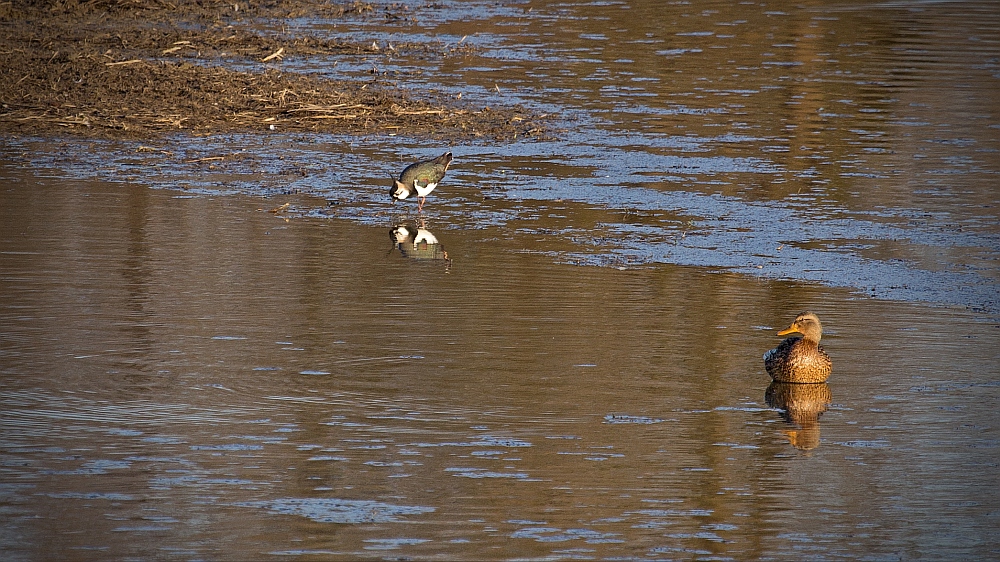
196, 377
561, 358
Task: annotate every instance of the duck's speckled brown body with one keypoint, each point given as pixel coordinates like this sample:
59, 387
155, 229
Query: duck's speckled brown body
800, 359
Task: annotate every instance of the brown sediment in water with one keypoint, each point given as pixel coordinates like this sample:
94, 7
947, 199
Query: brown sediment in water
142, 68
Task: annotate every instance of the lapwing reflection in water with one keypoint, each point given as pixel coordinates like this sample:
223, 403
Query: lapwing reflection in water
416, 242
801, 405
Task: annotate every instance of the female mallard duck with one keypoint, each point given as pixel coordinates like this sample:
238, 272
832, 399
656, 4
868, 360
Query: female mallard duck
800, 359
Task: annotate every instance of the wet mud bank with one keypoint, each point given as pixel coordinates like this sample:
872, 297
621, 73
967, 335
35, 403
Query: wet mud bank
121, 69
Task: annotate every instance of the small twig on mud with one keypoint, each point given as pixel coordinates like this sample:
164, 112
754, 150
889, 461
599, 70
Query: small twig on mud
326, 108
178, 45
133, 61
206, 159
279, 208
74, 120
275, 55
344, 116
421, 112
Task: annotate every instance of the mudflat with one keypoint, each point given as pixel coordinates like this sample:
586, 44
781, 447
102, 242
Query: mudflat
140, 68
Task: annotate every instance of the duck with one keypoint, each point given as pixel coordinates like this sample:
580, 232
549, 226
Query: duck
800, 359
420, 179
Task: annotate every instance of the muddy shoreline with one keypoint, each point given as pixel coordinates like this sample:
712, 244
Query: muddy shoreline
138, 69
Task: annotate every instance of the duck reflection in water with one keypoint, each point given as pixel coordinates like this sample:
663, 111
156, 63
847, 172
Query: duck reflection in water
800, 405
415, 241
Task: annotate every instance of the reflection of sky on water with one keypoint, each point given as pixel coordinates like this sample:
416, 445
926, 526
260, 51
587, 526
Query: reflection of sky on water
646, 211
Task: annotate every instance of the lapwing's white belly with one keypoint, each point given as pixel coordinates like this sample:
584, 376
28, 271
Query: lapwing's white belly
423, 190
